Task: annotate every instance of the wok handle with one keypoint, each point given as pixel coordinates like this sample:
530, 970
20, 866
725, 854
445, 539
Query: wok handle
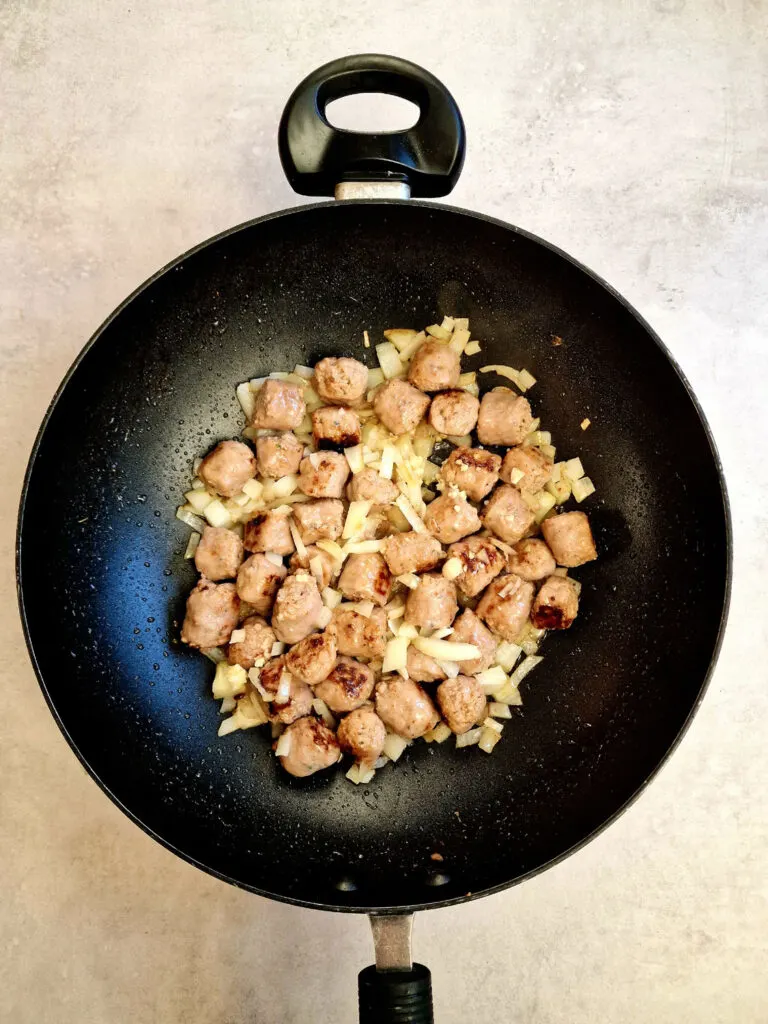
395, 990
425, 159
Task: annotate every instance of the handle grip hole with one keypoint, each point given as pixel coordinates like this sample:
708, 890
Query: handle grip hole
375, 112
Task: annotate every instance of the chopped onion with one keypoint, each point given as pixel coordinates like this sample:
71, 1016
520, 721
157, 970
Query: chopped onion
217, 515
453, 568
450, 668
354, 457
493, 679
497, 727
190, 519
396, 656
198, 499
324, 617
449, 323
488, 740
331, 548
247, 399
546, 504
361, 607
507, 654
585, 423
573, 469
444, 650
322, 709
413, 346
273, 557
548, 451
317, 569
231, 724
283, 747
408, 511
407, 629
278, 648
380, 762
440, 733
458, 342
331, 598
472, 348
388, 455
524, 668
516, 476
394, 746
194, 540
366, 775
229, 681
283, 694
509, 695
354, 774
497, 710
438, 332
253, 488
441, 634
389, 360
408, 579
237, 636
301, 550
582, 488
356, 516
503, 371
228, 704
469, 739
214, 654
526, 380
363, 547
559, 489
400, 337
375, 378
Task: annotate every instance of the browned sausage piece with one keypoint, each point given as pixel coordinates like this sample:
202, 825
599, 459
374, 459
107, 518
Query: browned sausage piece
473, 470
323, 475
329, 564
362, 734
556, 605
535, 467
531, 559
219, 554
341, 381
506, 605
399, 406
212, 613
505, 417
227, 468
258, 581
434, 367
370, 485
278, 406
421, 668
348, 685
359, 636
570, 538
432, 604
450, 517
278, 454
481, 561
468, 629
405, 707
297, 608
366, 578
299, 699
335, 426
259, 638
313, 747
454, 412
462, 703
269, 531
507, 515
319, 519
411, 552
311, 659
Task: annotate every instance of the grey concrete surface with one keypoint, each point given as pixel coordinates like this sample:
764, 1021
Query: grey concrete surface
632, 134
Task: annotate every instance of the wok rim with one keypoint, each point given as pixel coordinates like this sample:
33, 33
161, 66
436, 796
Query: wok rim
630, 800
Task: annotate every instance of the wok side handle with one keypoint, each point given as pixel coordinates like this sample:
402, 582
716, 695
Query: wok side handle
320, 160
395, 990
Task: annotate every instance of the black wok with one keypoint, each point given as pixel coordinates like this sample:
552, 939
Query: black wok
102, 581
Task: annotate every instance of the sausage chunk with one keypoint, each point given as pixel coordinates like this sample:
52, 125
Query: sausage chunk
556, 605
257, 582
335, 426
411, 552
319, 519
278, 454
369, 485
313, 747
269, 531
399, 406
462, 703
473, 470
468, 629
329, 565
432, 604
257, 644
227, 468
359, 636
505, 418
481, 561
323, 475
506, 605
341, 381
450, 517
212, 613
219, 554
311, 659
535, 467
405, 707
421, 668
348, 685
278, 406
297, 608
294, 698
362, 734
454, 412
366, 578
570, 538
531, 559
507, 515
434, 367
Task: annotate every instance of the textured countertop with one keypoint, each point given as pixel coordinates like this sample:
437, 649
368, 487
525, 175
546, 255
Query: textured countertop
632, 135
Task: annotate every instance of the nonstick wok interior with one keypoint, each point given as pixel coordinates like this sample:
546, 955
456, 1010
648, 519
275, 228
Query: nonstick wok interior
104, 582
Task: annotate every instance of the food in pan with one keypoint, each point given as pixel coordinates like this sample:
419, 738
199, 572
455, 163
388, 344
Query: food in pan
382, 552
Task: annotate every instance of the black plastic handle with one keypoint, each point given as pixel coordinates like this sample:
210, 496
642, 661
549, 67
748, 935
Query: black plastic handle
395, 997
316, 156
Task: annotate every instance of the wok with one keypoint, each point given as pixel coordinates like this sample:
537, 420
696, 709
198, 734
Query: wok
102, 581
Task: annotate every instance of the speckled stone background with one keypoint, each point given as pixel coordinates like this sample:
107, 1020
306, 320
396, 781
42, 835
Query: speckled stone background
634, 135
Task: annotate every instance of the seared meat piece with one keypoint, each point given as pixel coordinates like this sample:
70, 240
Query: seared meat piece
535, 467
399, 406
297, 608
505, 417
507, 515
454, 412
329, 564
319, 519
481, 562
278, 406
369, 485
468, 629
219, 554
313, 747
323, 475
473, 470
506, 605
212, 612
348, 685
269, 531
299, 696
556, 605
259, 638
450, 517
570, 538
421, 668
362, 734
411, 552
357, 635
462, 703
365, 578
432, 605
405, 707
227, 468
341, 381
335, 426
531, 559
434, 367
311, 659
278, 454
258, 581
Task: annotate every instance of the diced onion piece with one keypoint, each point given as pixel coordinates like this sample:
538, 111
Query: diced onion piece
307, 372
366, 340
395, 610
354, 457
331, 548
450, 668
394, 746
509, 695
497, 710
408, 579
585, 423
214, 654
301, 550
366, 775
488, 739
363, 547
440, 733
227, 705
217, 515
524, 668
364, 608
472, 348
548, 451
278, 648
380, 761
229, 681
453, 568
199, 500
283, 747
530, 646
247, 399
324, 617
273, 557
237, 636
507, 654
546, 504
356, 516
283, 694
466, 379
582, 488
408, 630
331, 598
190, 519
194, 540
526, 380
441, 634
516, 476
283, 487
400, 337
410, 514
492, 679
389, 360
449, 323
253, 488
438, 332
317, 569
503, 371
413, 345
388, 457
458, 341
354, 774
375, 377
573, 469
559, 489
497, 727
444, 650
469, 739
231, 724
322, 709
462, 322
396, 656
